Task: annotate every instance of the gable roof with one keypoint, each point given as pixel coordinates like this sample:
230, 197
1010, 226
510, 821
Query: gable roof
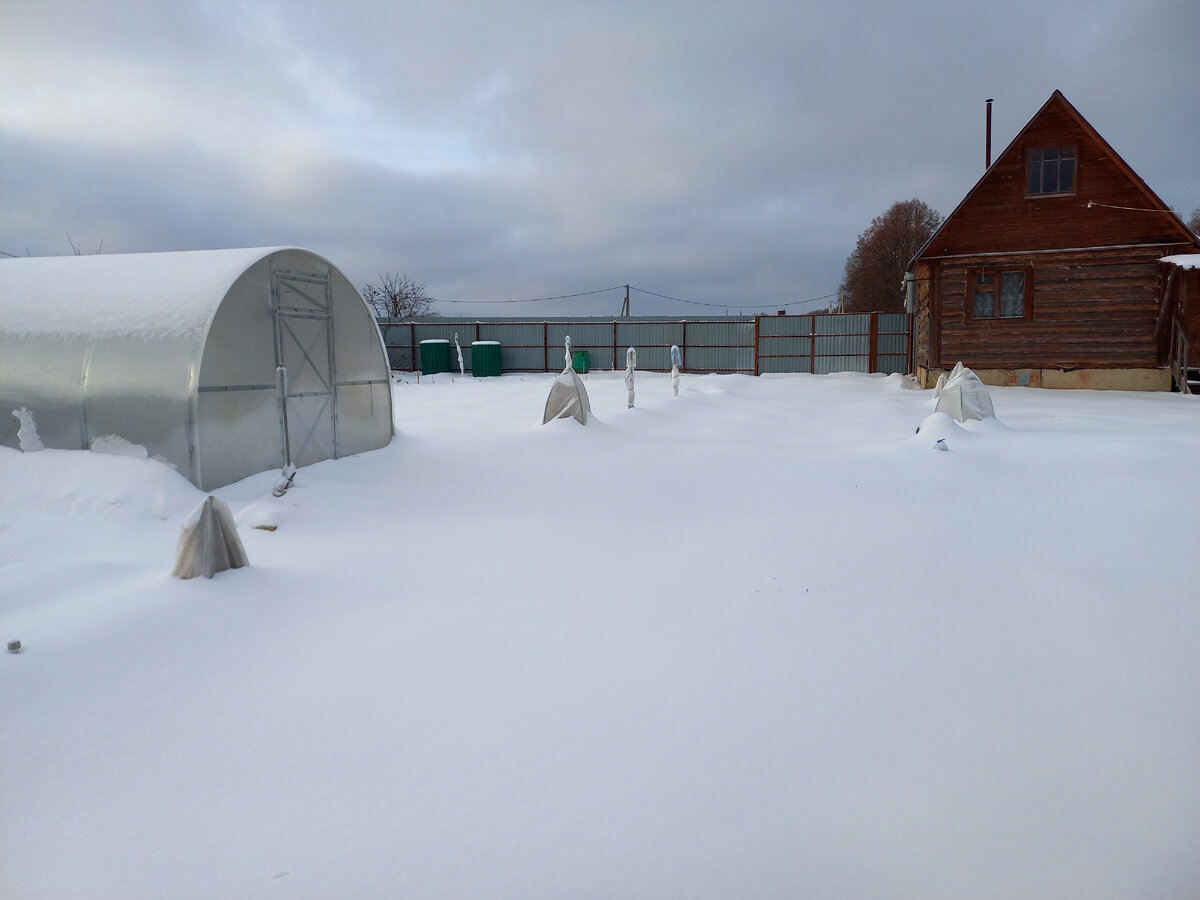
1145, 201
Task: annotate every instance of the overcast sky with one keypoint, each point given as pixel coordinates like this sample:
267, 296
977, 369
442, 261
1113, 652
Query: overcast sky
726, 153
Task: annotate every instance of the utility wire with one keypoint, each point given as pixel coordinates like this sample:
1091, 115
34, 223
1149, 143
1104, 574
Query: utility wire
732, 305
642, 291
616, 287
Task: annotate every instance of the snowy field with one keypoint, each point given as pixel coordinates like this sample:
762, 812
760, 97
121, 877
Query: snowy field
757, 641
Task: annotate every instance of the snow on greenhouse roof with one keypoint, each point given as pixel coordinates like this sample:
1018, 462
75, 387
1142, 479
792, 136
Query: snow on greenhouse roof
136, 294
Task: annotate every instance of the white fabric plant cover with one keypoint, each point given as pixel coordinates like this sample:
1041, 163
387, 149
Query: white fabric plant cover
208, 542
943, 379
963, 396
676, 362
630, 365
568, 397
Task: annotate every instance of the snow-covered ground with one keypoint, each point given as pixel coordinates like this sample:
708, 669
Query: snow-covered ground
760, 640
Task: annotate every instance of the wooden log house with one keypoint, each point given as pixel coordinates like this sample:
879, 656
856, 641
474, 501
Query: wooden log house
1048, 272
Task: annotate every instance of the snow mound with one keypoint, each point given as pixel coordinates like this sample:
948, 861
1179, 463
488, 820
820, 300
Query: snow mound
262, 515
115, 445
938, 426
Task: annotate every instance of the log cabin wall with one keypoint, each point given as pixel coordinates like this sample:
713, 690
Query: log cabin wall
922, 326
1090, 309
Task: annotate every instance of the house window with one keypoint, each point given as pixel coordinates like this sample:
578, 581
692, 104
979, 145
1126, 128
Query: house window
1050, 170
998, 294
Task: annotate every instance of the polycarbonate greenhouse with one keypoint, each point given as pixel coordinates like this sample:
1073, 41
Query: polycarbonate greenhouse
223, 363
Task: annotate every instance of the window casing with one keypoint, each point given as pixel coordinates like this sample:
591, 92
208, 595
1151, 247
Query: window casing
1000, 293
1050, 170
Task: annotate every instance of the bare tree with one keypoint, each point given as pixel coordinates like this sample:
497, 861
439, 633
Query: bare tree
77, 249
1194, 221
396, 296
875, 270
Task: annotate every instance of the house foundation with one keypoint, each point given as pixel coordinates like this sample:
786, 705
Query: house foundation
1064, 379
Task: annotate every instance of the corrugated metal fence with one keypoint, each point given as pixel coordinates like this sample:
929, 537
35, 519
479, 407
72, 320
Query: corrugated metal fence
753, 345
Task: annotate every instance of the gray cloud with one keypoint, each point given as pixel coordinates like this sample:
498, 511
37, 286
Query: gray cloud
728, 153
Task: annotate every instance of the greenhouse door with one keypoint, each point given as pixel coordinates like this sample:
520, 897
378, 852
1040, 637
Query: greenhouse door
302, 305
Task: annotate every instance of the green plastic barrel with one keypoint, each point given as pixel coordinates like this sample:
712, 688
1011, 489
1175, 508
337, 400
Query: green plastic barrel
435, 356
485, 358
579, 361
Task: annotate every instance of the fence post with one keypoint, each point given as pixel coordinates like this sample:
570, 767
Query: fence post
812, 345
756, 318
545, 346
873, 344
910, 346
412, 347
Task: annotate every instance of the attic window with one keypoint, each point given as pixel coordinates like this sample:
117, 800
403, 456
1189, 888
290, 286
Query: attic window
1050, 170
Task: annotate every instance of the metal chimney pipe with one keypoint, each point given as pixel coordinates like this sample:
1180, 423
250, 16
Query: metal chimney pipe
988, 163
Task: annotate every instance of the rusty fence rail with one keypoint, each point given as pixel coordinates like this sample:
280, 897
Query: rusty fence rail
751, 345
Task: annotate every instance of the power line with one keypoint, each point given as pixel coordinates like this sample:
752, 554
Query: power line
733, 305
615, 287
